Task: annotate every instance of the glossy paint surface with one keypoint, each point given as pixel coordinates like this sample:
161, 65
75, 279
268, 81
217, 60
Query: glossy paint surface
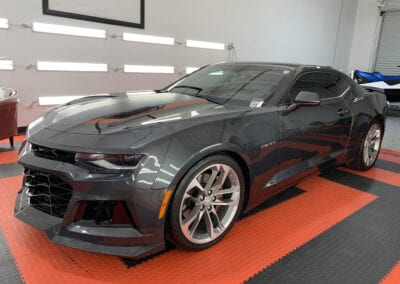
276, 143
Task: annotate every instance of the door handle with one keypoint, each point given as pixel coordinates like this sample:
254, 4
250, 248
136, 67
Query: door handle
342, 111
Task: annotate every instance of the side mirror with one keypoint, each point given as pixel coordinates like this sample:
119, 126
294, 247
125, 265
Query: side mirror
305, 99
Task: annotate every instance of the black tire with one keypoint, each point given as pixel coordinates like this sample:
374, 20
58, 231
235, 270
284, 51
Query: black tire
360, 162
191, 200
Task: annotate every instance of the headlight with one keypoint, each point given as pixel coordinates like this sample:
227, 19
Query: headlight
109, 161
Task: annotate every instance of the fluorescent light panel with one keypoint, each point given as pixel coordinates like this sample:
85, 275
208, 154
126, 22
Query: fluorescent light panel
4, 23
205, 44
71, 66
140, 93
6, 65
50, 101
191, 69
148, 69
68, 30
148, 39
57, 100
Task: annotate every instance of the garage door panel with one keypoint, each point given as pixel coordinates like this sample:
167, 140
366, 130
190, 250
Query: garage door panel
388, 57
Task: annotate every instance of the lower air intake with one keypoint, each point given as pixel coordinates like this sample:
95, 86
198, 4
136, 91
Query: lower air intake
47, 192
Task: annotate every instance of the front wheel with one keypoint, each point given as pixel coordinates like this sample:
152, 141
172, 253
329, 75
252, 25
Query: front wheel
369, 149
207, 203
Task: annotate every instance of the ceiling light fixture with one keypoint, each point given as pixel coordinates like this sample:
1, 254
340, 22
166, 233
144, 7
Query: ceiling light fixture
71, 66
6, 65
148, 39
205, 44
4, 23
191, 69
51, 101
149, 69
68, 30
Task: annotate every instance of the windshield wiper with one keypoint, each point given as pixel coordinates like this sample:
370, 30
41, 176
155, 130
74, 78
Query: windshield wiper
188, 87
210, 99
197, 95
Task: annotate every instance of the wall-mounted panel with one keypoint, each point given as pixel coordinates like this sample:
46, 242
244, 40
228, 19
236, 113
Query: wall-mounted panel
122, 12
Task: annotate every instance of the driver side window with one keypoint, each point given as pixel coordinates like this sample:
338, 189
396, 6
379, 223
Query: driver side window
325, 84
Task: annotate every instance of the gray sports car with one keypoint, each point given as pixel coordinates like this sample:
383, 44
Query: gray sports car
125, 173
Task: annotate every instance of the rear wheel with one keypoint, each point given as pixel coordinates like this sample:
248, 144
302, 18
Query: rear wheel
207, 203
369, 149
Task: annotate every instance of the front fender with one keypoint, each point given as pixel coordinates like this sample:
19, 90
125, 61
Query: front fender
178, 162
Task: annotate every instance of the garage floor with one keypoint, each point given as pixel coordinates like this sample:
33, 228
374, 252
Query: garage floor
392, 136
342, 226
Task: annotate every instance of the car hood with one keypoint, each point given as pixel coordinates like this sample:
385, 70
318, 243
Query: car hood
119, 112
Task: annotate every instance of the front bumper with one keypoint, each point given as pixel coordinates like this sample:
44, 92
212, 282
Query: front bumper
143, 235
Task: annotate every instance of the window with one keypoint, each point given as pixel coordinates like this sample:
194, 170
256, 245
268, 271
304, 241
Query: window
327, 85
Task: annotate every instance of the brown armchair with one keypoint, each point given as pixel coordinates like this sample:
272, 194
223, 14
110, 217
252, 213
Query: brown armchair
8, 114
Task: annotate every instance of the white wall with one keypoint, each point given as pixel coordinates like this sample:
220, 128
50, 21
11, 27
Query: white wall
295, 31
366, 32
345, 35
306, 31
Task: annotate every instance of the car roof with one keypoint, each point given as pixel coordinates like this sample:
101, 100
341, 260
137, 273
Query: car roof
291, 66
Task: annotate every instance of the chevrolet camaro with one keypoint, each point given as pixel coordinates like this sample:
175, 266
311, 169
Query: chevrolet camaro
126, 173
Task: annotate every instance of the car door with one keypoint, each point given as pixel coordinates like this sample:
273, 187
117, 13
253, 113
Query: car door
314, 135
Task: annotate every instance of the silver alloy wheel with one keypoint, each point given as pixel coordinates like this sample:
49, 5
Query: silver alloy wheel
210, 203
372, 144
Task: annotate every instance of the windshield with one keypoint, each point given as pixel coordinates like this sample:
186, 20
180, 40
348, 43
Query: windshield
238, 84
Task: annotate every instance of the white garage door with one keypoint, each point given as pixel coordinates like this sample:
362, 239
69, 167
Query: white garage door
388, 57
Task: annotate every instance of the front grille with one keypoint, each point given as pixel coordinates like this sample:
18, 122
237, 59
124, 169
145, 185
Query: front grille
53, 154
47, 192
